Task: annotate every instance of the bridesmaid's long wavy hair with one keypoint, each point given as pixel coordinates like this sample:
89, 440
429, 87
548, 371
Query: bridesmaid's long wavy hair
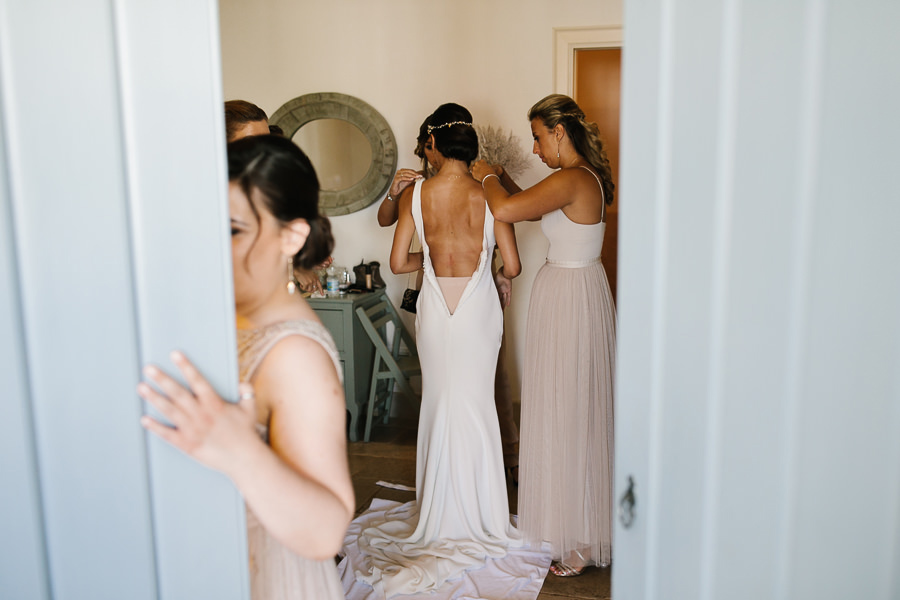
585, 135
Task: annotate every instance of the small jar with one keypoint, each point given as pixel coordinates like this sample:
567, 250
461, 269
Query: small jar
343, 279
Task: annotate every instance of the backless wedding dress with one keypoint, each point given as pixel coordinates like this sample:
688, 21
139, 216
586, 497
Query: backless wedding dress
276, 573
566, 448
460, 517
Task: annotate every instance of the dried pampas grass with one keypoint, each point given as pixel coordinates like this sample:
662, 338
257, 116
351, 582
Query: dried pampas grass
498, 147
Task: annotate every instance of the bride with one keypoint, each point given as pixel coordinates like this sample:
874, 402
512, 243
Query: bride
461, 513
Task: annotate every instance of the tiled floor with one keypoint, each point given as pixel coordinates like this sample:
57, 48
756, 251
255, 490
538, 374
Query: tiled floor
391, 456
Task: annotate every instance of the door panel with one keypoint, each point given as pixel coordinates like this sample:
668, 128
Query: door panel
78, 315
23, 565
115, 251
758, 399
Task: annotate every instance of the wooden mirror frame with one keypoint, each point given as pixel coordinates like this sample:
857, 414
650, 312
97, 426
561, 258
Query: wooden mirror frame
294, 114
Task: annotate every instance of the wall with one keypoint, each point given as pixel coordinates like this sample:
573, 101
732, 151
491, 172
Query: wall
405, 58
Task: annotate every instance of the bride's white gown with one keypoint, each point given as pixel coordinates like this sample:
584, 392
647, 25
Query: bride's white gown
461, 514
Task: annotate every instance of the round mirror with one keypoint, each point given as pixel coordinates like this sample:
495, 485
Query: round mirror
350, 176
339, 151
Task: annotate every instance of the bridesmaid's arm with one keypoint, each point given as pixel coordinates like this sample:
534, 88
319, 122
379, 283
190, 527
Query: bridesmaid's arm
505, 234
544, 197
508, 184
387, 212
402, 260
300, 487
308, 500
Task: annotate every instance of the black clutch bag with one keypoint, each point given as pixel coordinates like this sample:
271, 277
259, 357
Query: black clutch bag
409, 300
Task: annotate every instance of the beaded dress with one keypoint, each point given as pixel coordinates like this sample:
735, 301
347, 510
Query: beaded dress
276, 573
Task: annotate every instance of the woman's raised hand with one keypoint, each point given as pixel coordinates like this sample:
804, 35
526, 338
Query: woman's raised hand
204, 426
402, 179
481, 169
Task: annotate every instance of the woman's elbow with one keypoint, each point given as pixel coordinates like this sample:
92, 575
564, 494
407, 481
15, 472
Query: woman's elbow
396, 266
513, 269
323, 543
503, 214
326, 549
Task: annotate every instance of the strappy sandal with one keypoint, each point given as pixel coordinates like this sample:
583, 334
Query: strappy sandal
561, 569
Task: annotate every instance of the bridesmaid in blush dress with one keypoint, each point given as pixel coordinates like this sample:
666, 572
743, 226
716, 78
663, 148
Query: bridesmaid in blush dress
566, 451
284, 444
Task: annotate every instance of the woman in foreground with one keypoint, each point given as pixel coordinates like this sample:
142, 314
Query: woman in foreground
284, 445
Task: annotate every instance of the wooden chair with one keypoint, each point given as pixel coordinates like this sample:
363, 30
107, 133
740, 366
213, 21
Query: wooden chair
389, 366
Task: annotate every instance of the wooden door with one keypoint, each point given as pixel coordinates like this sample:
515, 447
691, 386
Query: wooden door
758, 389
596, 75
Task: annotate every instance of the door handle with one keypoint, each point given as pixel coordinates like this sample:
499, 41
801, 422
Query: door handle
626, 505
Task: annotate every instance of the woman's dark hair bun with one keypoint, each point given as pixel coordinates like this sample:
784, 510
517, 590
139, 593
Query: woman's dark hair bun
454, 136
284, 175
318, 246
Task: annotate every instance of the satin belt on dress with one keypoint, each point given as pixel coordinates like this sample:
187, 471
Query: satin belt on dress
572, 264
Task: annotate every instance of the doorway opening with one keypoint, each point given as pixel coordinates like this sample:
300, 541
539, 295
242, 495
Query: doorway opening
588, 68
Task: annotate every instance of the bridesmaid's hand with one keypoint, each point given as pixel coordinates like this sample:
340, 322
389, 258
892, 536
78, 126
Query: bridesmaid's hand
324, 264
402, 179
205, 427
504, 288
480, 169
308, 281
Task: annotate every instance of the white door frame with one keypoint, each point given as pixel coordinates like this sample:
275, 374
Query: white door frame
566, 40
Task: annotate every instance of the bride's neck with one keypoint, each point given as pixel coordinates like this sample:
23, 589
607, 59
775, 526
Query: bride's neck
451, 166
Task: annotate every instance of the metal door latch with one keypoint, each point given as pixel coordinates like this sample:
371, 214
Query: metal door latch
626, 505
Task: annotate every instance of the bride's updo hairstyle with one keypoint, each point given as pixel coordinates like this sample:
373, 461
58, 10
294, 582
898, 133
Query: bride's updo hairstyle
454, 136
585, 136
283, 174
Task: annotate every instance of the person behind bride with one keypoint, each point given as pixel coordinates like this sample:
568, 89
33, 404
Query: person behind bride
566, 452
283, 445
460, 517
243, 119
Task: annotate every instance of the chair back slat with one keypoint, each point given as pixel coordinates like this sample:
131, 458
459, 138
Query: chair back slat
380, 322
387, 359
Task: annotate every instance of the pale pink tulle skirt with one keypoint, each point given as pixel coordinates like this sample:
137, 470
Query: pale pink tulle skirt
276, 573
566, 448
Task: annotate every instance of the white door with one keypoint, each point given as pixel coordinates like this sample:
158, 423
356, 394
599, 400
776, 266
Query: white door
114, 250
758, 399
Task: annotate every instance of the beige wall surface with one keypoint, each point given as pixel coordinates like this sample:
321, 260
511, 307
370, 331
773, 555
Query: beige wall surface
406, 57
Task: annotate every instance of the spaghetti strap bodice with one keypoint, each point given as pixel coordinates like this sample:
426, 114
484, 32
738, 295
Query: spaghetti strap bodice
572, 243
254, 344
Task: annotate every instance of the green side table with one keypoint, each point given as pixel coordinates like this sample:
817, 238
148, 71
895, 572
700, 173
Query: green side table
338, 314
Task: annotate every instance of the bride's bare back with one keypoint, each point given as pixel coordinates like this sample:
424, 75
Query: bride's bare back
453, 217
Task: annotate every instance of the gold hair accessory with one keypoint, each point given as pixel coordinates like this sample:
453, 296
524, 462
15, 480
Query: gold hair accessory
433, 127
